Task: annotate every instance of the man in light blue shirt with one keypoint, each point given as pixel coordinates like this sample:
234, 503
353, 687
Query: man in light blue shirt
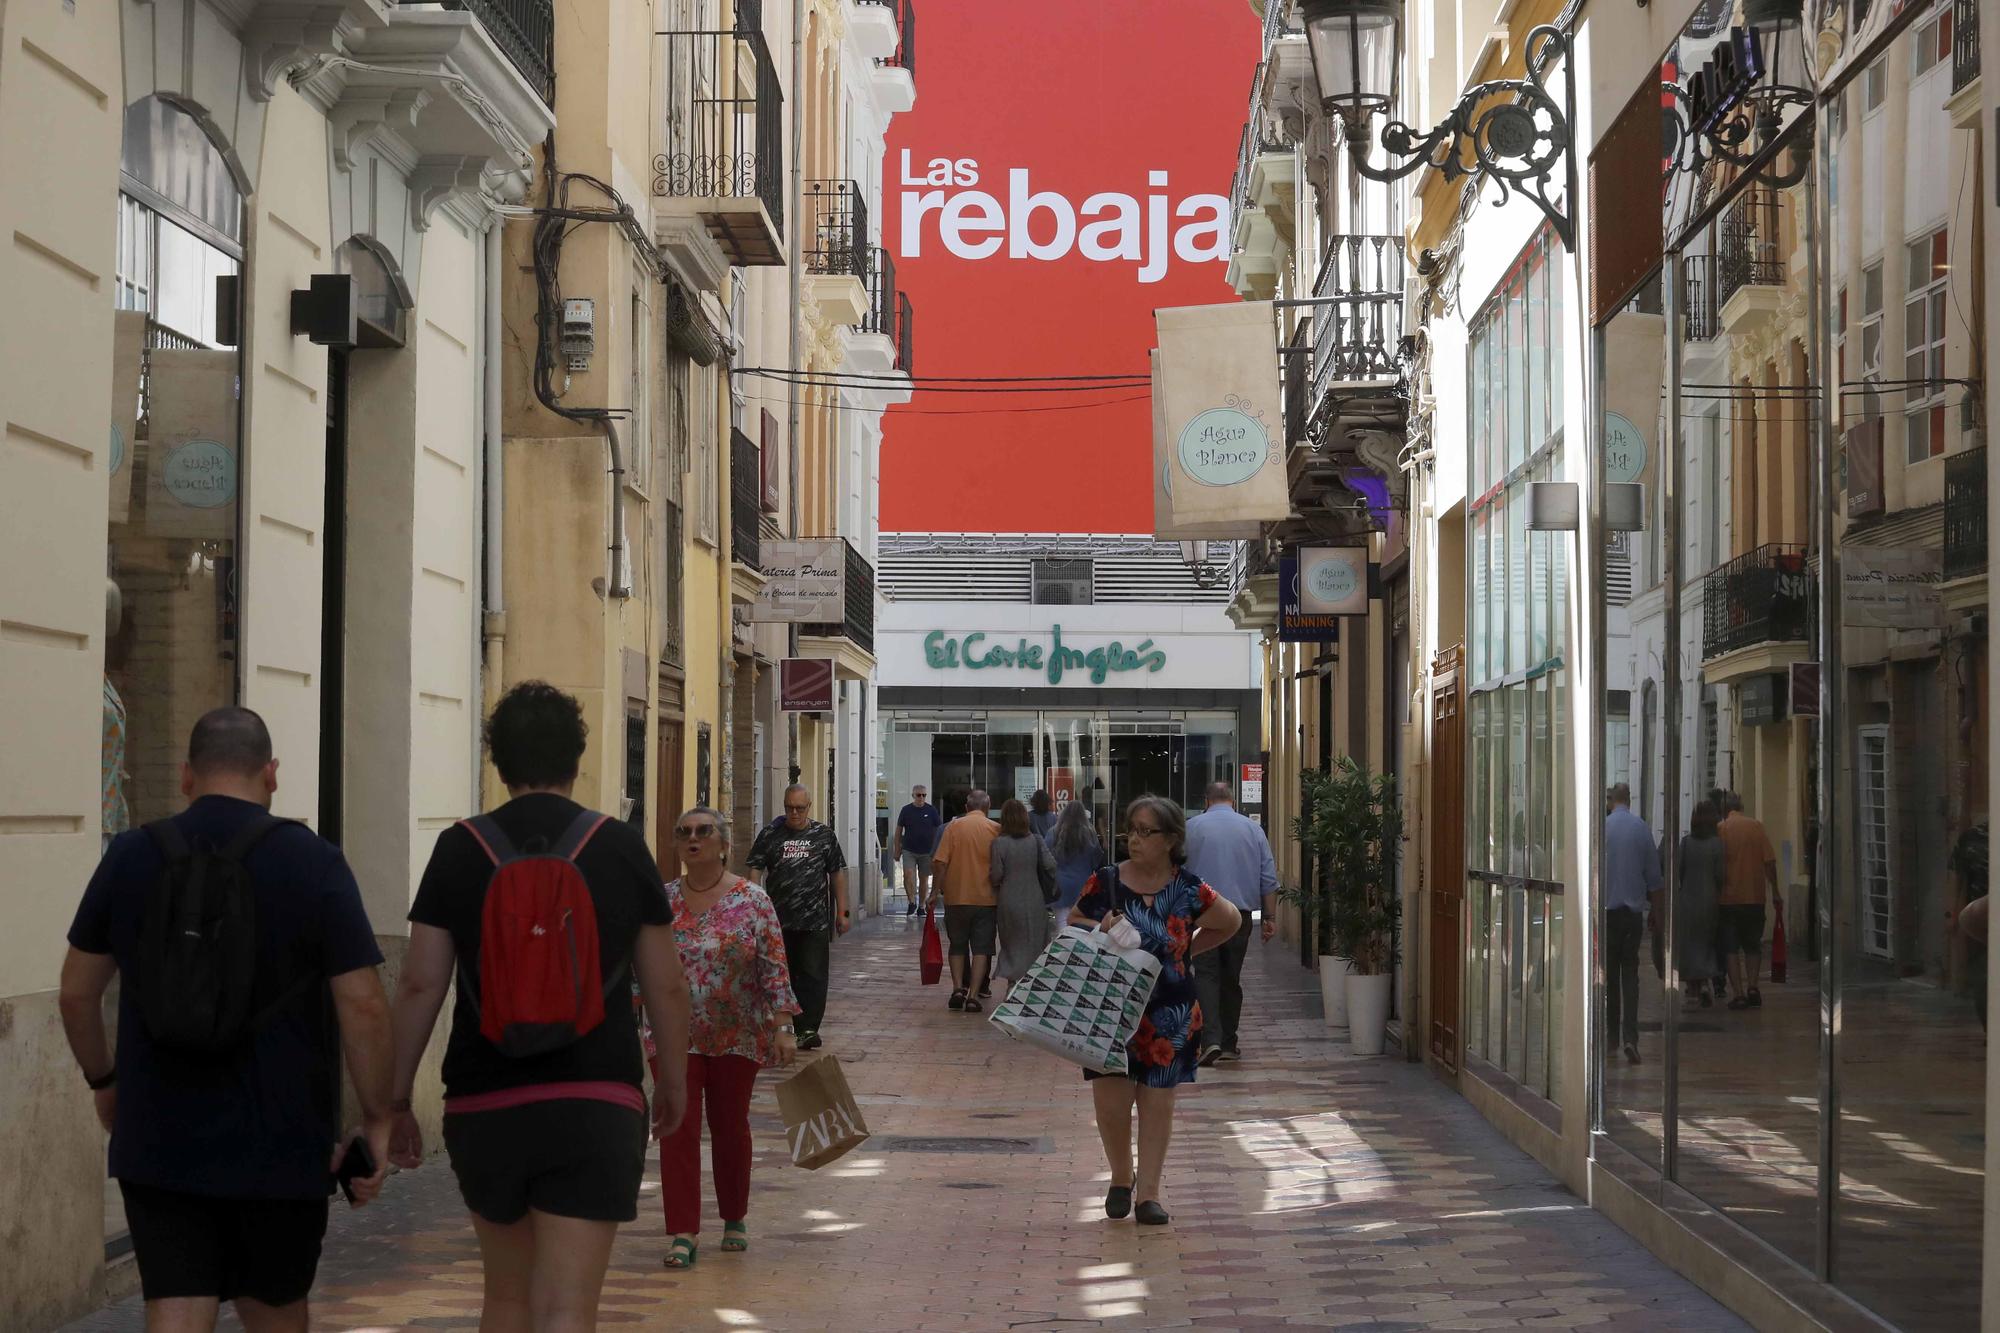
1232, 856
1631, 878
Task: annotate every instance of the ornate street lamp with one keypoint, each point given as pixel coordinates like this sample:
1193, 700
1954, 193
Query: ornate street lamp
1510, 131
1733, 107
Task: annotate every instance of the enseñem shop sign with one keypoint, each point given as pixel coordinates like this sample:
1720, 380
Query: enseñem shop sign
942, 652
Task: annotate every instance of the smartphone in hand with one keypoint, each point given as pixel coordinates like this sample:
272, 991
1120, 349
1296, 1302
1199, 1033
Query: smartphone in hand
357, 1164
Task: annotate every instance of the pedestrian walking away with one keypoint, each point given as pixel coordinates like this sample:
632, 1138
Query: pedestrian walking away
740, 1000
223, 1093
1750, 882
964, 866
1178, 918
1023, 875
1041, 815
1230, 853
912, 845
1632, 882
805, 875
1078, 852
1702, 868
545, 913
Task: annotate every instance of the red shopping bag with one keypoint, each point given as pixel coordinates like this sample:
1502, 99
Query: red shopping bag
931, 960
1778, 949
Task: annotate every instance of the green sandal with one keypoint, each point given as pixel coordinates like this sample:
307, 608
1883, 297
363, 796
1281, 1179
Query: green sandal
682, 1255
735, 1237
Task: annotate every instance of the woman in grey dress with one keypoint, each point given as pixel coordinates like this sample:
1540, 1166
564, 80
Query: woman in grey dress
1699, 887
1024, 878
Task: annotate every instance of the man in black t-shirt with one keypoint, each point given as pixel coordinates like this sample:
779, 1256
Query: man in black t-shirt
223, 1160
805, 875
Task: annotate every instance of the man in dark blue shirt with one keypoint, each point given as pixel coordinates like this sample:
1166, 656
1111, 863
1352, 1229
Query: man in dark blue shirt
915, 842
226, 1160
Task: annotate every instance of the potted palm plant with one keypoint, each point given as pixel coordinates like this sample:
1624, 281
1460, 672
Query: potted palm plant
1316, 898
1356, 835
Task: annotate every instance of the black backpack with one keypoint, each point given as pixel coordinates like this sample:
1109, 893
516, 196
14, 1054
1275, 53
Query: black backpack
198, 944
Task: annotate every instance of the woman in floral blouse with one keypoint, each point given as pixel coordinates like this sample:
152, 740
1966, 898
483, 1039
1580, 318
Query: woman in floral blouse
741, 993
1177, 916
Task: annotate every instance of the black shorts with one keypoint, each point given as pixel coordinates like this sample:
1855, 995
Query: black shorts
569, 1158
191, 1245
1742, 927
971, 930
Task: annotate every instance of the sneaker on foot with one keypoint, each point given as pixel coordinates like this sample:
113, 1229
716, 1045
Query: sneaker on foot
1209, 1055
810, 1042
1631, 1053
1230, 1055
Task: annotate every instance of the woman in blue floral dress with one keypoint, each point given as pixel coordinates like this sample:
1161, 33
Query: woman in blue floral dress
1177, 917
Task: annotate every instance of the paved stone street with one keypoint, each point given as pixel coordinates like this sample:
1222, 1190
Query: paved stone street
1310, 1188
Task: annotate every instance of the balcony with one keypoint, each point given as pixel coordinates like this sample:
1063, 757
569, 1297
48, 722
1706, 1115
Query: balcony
1297, 381
1355, 334
1750, 256
525, 30
1262, 197
857, 629
745, 509
886, 30
1757, 601
724, 136
1965, 514
1701, 316
837, 251
904, 57
1964, 43
889, 313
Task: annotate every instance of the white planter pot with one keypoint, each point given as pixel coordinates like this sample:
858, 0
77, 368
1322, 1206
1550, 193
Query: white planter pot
1333, 989
1367, 1012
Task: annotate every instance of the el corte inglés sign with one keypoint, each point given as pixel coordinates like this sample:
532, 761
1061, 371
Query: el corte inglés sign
943, 652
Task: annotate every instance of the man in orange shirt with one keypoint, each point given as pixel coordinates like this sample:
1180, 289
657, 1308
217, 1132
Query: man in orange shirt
1750, 880
959, 872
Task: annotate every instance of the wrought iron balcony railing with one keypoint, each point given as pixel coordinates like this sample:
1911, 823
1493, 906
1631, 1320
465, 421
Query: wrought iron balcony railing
836, 228
1964, 42
724, 131
1750, 256
889, 310
905, 56
1763, 596
1262, 133
1297, 382
1281, 19
1965, 513
524, 29
859, 626
1700, 313
1355, 335
745, 507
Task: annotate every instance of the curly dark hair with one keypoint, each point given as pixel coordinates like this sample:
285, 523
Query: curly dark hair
536, 735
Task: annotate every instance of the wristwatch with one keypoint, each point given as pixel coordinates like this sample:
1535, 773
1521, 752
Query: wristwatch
100, 1084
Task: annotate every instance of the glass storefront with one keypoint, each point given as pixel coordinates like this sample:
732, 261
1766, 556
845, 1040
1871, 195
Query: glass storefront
171, 544
1793, 702
1103, 757
1518, 697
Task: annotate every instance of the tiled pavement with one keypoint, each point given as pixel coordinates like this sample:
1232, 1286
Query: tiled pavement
1310, 1188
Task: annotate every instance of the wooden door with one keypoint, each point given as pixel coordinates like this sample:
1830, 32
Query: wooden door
1447, 870
668, 785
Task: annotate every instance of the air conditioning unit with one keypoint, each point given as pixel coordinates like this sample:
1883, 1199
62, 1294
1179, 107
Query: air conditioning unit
1062, 583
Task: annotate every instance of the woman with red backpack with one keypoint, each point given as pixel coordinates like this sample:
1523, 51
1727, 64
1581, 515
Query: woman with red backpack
545, 913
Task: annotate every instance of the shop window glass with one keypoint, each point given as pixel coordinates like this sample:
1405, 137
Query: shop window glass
171, 542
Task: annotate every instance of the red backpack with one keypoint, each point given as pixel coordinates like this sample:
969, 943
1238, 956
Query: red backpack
540, 985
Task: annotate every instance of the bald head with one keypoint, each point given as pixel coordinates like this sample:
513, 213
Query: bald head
1218, 793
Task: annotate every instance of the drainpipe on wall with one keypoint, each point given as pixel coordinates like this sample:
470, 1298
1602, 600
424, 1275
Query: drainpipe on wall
493, 624
794, 308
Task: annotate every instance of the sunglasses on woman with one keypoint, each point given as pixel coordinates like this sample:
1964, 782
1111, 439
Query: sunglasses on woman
695, 832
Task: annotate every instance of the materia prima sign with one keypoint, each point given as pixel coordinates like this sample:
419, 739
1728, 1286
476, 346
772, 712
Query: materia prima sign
1069, 178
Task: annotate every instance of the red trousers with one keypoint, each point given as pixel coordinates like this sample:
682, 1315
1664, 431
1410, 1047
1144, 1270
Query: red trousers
719, 1085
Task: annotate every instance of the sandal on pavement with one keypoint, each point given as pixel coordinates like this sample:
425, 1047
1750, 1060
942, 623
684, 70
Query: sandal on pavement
682, 1254
1118, 1201
957, 1000
735, 1237
973, 1006
1151, 1214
